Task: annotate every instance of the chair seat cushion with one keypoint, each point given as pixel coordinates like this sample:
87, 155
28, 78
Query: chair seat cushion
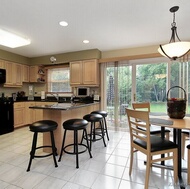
157, 143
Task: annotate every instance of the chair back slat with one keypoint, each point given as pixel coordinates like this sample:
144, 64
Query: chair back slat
135, 126
141, 106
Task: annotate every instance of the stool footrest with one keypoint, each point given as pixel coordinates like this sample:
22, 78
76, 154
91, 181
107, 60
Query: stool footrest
74, 153
42, 156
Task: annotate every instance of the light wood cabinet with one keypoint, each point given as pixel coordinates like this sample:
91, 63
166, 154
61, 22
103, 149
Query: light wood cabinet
13, 74
84, 73
37, 74
19, 114
2, 64
30, 113
25, 73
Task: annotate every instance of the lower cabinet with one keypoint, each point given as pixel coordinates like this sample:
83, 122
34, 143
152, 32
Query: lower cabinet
19, 114
30, 113
23, 115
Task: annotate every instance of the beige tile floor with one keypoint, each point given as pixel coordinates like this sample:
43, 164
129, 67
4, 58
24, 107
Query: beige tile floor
108, 169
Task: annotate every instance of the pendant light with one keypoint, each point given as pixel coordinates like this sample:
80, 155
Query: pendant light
174, 50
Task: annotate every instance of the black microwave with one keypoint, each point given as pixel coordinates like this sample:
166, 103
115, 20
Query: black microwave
2, 75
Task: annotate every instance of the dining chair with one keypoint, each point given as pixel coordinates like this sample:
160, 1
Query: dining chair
150, 145
154, 130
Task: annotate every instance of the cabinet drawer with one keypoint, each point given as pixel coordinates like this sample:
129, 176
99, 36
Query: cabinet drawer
19, 105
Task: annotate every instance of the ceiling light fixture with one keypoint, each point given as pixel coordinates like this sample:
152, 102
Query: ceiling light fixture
174, 50
63, 23
11, 40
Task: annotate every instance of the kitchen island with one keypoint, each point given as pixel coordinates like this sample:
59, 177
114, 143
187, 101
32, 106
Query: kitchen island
61, 112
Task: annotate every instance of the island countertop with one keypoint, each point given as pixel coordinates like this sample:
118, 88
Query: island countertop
63, 106
60, 112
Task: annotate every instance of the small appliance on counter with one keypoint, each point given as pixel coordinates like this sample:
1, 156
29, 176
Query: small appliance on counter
43, 95
31, 92
96, 97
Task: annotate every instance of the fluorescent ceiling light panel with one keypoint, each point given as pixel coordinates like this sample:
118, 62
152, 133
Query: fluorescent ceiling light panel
11, 40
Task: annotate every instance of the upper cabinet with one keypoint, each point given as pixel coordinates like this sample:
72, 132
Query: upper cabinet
84, 73
25, 73
37, 74
13, 74
2, 64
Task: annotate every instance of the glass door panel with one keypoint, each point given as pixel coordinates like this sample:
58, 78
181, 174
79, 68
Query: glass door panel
151, 85
118, 93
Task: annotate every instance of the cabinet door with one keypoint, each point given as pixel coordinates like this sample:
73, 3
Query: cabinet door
90, 72
30, 113
19, 114
2, 64
25, 73
76, 73
33, 73
8, 67
17, 74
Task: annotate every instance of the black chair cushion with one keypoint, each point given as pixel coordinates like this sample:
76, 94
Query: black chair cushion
93, 117
188, 146
43, 126
157, 143
103, 113
75, 124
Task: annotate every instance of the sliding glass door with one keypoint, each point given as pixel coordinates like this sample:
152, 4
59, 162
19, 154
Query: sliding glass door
140, 81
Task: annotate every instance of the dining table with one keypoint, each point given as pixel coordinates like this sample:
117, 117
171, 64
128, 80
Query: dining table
163, 120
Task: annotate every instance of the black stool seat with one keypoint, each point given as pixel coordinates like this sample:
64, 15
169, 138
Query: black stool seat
93, 117
75, 125
94, 136
41, 127
188, 146
104, 114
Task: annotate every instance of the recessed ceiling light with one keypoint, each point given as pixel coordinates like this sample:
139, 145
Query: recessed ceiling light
63, 23
85, 41
11, 40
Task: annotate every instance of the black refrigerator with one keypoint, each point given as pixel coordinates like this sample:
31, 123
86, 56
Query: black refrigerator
6, 116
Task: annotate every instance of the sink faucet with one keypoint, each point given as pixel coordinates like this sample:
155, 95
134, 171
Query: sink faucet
56, 95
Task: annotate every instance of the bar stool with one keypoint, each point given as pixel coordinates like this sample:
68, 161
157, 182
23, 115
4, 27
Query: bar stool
42, 127
104, 114
75, 125
93, 119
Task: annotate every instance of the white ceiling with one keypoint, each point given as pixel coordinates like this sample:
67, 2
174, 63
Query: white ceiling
107, 24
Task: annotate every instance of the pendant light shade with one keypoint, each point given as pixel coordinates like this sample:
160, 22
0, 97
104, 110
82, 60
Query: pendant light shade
174, 50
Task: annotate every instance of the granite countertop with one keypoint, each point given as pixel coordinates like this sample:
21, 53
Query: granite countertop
63, 106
